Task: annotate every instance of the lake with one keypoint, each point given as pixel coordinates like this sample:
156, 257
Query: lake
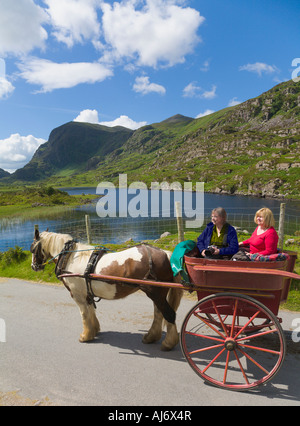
240, 210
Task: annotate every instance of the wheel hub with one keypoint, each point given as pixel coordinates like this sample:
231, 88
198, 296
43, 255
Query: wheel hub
230, 344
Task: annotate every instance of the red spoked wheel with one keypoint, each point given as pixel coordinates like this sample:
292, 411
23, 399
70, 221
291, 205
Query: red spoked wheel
233, 341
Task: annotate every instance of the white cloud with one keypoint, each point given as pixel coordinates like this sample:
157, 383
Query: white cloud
204, 114
191, 90
210, 94
74, 21
50, 75
159, 32
206, 65
21, 27
233, 102
16, 151
259, 68
143, 85
194, 91
154, 33
92, 116
88, 116
124, 121
6, 88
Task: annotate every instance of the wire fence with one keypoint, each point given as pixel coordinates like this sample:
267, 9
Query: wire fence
120, 230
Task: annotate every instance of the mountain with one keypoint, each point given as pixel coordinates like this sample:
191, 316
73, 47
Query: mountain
3, 174
250, 149
72, 148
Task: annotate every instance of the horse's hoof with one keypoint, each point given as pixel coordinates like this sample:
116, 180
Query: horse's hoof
147, 339
83, 339
165, 348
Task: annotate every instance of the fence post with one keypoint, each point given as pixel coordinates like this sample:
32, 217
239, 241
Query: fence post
281, 226
88, 228
179, 222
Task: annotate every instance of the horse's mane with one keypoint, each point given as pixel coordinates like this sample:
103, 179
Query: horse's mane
53, 243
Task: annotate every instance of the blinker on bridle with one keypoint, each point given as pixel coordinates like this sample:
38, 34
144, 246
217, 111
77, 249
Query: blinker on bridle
36, 250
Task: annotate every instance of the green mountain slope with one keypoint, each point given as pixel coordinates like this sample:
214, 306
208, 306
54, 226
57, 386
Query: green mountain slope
3, 173
251, 149
71, 149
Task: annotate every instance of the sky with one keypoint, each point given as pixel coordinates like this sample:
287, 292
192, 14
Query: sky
134, 62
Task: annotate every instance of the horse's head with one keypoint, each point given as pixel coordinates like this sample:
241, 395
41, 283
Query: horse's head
38, 255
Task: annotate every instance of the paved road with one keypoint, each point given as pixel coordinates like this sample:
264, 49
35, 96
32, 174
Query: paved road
43, 360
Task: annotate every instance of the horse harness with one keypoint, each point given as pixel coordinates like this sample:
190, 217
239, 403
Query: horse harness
92, 263
95, 257
62, 262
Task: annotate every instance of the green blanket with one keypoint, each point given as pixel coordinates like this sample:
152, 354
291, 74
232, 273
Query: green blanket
177, 258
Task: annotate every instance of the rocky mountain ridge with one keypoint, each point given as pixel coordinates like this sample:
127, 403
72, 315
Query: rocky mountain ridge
250, 149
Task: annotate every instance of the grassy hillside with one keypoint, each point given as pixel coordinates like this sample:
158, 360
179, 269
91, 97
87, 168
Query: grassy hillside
250, 149
44, 198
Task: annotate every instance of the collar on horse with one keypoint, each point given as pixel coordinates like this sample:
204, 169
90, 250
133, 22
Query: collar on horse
63, 258
62, 262
92, 263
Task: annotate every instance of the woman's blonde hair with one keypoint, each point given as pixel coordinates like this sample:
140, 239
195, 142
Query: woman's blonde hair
267, 215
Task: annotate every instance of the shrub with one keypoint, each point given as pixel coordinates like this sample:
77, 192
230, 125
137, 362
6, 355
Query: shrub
12, 255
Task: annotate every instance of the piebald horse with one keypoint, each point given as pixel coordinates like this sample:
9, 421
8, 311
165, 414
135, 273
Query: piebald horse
136, 262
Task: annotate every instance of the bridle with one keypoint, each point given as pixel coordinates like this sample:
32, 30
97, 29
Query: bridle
38, 258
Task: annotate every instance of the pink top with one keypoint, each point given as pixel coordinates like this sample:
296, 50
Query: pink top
265, 243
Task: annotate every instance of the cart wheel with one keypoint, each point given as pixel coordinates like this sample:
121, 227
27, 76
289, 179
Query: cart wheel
233, 341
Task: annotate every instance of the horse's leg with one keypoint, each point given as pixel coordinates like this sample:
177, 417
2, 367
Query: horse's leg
155, 332
90, 322
171, 339
163, 309
172, 336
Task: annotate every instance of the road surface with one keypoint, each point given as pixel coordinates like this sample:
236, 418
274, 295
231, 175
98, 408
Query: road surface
43, 363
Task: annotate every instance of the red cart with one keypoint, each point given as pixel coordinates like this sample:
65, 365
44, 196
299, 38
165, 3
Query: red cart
232, 338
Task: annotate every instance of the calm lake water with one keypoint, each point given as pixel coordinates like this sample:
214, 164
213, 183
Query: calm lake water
19, 231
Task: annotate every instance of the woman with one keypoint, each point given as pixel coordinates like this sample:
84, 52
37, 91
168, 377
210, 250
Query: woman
264, 239
218, 238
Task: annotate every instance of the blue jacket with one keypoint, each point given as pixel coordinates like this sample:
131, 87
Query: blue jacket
232, 240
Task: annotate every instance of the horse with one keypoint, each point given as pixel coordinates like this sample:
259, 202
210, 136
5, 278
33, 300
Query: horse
139, 262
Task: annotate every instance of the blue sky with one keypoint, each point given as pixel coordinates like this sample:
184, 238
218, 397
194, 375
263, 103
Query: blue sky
133, 62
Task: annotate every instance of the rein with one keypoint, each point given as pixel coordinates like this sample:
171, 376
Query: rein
69, 251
